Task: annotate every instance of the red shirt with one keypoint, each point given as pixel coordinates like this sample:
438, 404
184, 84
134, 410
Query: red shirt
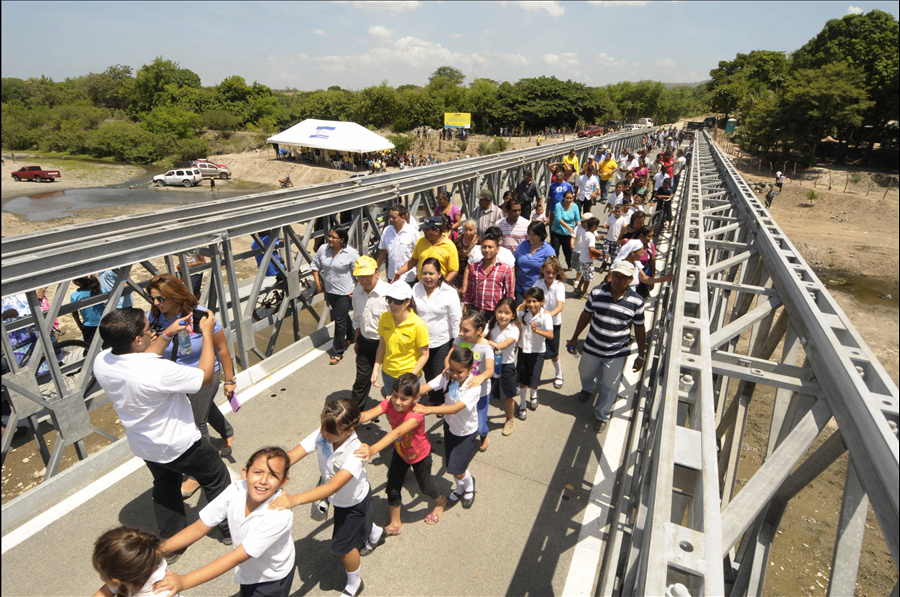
413, 446
667, 164
486, 289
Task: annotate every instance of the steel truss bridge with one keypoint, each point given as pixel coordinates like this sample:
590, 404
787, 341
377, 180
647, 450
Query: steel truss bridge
744, 311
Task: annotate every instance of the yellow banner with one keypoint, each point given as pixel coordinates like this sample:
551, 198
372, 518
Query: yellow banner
457, 120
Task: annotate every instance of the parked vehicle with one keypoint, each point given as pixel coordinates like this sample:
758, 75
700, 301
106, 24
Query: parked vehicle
186, 177
210, 170
694, 125
631, 127
645, 122
710, 121
286, 181
614, 124
35, 173
590, 131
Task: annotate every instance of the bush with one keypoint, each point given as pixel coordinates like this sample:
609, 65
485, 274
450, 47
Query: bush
811, 196
172, 120
402, 143
856, 178
187, 150
220, 120
127, 142
491, 146
461, 146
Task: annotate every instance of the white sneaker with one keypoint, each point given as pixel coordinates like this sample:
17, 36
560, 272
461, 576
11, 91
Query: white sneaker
558, 383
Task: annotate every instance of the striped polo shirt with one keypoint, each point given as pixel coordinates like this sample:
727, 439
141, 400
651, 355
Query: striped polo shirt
610, 333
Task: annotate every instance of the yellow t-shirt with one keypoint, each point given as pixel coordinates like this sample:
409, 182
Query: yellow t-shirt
607, 169
571, 162
444, 251
401, 344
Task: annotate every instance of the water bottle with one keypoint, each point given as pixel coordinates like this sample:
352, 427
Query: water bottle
184, 342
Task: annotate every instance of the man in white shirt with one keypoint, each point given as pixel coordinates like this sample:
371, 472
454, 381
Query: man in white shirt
588, 189
368, 305
677, 168
149, 394
397, 243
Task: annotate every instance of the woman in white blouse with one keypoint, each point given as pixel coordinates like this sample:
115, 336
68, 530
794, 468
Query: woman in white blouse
437, 303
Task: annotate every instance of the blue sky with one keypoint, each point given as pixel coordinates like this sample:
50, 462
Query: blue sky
312, 45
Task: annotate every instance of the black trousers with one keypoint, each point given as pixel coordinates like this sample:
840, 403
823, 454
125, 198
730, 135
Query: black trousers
564, 241
526, 210
667, 209
365, 362
397, 473
433, 367
340, 305
202, 462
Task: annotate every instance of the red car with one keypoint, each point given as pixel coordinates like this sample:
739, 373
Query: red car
591, 131
35, 173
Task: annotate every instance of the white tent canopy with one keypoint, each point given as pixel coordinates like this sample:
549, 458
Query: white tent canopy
332, 134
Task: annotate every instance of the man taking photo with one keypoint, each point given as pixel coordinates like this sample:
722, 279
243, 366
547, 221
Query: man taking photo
149, 394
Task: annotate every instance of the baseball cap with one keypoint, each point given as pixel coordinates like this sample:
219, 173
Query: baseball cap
365, 266
586, 216
486, 194
625, 268
402, 291
431, 222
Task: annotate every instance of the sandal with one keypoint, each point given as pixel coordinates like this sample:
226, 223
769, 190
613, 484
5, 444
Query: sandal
391, 532
432, 518
335, 360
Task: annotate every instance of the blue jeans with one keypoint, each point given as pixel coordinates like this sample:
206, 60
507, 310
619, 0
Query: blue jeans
609, 373
387, 384
604, 190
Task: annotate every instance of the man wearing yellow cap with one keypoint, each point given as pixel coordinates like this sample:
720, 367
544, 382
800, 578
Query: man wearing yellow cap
368, 305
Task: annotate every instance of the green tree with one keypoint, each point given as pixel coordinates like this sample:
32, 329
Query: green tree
172, 120
454, 75
151, 80
376, 106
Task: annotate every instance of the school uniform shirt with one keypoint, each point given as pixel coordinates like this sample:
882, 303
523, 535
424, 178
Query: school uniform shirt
440, 312
579, 237
265, 534
149, 394
553, 296
192, 359
399, 247
367, 309
497, 336
481, 352
402, 343
444, 251
513, 234
587, 243
611, 228
465, 422
413, 446
357, 488
336, 269
147, 589
531, 342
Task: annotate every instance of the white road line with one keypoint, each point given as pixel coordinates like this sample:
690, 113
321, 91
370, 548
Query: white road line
41, 521
591, 541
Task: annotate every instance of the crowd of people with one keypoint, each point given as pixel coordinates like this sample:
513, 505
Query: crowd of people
469, 312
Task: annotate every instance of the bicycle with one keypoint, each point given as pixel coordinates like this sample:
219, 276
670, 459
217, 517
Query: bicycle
70, 356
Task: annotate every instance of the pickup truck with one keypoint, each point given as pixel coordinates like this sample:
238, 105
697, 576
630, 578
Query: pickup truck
35, 173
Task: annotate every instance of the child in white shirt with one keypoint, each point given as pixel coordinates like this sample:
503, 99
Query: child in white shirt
129, 562
264, 555
588, 254
503, 335
577, 245
537, 328
345, 484
460, 422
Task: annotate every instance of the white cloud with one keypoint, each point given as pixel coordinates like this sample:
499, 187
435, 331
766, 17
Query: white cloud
554, 9
318, 32
381, 33
566, 59
619, 2
457, 35
666, 63
605, 60
387, 6
854, 10
510, 59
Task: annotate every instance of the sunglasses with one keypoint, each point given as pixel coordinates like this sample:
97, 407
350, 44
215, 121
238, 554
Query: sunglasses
395, 301
158, 299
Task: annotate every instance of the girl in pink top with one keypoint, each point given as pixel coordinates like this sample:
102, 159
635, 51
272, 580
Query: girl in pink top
452, 211
411, 448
